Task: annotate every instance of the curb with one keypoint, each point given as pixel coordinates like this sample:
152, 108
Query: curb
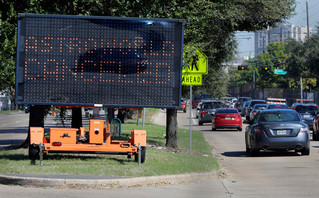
106, 183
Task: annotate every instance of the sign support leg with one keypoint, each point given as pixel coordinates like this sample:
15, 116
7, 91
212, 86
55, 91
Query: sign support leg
190, 118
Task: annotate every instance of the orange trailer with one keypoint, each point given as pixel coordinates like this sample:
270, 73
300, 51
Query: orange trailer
97, 139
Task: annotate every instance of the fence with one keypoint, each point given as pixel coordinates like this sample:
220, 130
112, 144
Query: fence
290, 95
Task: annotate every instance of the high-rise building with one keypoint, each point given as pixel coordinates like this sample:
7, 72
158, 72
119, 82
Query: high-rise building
279, 34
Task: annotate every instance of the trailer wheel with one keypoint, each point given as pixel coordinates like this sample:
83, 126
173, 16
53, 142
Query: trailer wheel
34, 152
143, 154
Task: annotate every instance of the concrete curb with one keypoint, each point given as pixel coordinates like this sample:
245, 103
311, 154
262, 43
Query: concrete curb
106, 183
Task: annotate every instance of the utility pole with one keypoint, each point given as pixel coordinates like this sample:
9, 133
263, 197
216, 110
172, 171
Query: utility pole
308, 33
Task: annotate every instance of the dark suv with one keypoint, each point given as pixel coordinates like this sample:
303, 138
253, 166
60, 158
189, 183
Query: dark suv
251, 105
240, 102
306, 112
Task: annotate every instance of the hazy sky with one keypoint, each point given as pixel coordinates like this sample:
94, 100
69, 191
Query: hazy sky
246, 39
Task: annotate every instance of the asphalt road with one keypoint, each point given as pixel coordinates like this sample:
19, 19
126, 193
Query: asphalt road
284, 174
13, 128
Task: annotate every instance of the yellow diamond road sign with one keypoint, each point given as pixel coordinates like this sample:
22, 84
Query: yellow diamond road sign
192, 79
198, 64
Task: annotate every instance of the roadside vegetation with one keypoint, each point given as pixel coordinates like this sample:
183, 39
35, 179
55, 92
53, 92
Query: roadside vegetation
160, 160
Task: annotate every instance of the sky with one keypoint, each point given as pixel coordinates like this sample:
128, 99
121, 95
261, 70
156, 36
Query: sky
246, 39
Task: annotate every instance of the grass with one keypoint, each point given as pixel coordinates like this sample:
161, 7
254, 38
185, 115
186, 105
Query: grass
10, 111
159, 160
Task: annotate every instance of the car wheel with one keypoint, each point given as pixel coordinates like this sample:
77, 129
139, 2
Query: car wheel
143, 155
213, 129
305, 151
200, 123
314, 136
254, 152
247, 150
184, 110
239, 129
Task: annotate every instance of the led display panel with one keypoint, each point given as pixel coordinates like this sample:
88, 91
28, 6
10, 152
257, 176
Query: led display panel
105, 61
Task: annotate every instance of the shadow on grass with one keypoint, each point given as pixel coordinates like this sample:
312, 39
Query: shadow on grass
156, 141
86, 157
14, 157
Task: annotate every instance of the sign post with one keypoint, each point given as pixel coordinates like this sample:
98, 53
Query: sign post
192, 75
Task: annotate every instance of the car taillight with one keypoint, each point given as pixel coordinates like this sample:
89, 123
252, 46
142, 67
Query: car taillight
254, 112
238, 103
203, 112
303, 130
259, 131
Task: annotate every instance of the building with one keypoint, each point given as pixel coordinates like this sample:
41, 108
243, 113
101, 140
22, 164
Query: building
279, 34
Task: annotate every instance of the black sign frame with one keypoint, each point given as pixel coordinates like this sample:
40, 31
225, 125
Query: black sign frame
99, 61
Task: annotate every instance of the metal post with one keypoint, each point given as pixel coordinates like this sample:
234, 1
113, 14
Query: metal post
41, 153
139, 154
143, 116
190, 118
301, 94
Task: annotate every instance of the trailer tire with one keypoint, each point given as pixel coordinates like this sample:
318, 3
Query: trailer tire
143, 154
34, 152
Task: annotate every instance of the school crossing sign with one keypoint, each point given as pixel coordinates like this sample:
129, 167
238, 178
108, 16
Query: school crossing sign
198, 65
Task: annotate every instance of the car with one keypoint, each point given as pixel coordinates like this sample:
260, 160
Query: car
207, 111
229, 101
201, 98
307, 112
277, 129
243, 109
240, 102
277, 106
257, 108
183, 105
227, 118
251, 105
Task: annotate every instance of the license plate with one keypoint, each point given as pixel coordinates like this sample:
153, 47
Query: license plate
227, 118
281, 132
306, 116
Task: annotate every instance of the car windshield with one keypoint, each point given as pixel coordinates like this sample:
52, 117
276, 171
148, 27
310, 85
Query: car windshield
279, 117
260, 106
257, 102
227, 111
304, 109
243, 99
212, 105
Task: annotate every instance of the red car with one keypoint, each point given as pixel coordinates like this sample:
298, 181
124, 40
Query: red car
183, 105
227, 118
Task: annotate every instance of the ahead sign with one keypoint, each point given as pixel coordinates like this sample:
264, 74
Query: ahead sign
192, 79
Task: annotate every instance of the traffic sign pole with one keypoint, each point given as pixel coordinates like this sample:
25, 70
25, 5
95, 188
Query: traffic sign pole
190, 119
